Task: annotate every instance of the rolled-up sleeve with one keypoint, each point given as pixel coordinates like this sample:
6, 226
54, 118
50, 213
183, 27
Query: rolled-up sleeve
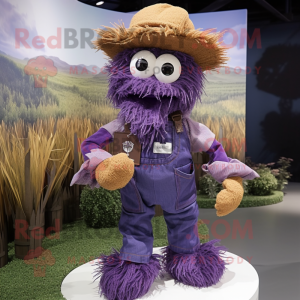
220, 170
220, 166
93, 153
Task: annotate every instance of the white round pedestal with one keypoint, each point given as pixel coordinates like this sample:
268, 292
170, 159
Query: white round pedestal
240, 282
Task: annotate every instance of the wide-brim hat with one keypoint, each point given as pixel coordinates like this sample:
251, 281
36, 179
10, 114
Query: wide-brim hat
167, 27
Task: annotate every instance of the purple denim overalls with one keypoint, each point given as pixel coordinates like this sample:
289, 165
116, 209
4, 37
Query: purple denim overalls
167, 180
164, 179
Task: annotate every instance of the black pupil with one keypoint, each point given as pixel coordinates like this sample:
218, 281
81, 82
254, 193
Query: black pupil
141, 64
167, 69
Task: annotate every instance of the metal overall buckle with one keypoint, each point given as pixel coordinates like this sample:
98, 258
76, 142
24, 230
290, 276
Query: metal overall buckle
176, 117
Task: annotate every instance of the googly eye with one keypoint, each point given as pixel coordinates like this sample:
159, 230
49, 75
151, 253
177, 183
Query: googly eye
167, 68
142, 64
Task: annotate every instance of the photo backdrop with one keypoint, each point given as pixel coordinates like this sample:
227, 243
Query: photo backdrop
68, 82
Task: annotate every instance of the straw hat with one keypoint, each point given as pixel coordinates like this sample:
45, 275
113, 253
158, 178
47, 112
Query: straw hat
167, 27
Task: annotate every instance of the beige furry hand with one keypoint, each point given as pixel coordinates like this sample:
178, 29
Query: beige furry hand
115, 172
229, 198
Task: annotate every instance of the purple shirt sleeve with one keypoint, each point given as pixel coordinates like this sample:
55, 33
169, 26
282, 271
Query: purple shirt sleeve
93, 153
96, 141
217, 153
86, 174
221, 167
201, 137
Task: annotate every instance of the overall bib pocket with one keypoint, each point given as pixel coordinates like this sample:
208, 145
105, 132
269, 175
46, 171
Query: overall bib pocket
131, 198
185, 185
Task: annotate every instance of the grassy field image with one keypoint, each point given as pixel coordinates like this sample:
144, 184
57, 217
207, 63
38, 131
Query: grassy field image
77, 92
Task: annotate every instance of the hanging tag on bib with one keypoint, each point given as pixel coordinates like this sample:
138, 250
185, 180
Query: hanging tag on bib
124, 142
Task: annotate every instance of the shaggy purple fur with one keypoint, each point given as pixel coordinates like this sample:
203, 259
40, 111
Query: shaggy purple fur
125, 280
146, 103
148, 117
203, 268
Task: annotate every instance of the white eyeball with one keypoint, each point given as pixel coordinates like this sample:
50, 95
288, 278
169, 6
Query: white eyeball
142, 64
167, 68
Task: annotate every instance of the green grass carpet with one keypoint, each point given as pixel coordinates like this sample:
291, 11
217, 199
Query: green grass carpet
248, 201
76, 245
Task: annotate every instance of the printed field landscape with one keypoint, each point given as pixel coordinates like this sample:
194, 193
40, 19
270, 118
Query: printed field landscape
83, 96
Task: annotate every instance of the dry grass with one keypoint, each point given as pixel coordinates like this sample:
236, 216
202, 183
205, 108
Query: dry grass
3, 204
51, 145
12, 166
41, 145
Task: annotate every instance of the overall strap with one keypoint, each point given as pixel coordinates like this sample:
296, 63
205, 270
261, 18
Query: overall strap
176, 117
127, 127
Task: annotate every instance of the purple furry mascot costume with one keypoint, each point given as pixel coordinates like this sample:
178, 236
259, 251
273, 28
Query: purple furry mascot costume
155, 79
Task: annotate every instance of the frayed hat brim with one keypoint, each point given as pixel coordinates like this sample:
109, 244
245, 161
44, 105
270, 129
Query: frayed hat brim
204, 46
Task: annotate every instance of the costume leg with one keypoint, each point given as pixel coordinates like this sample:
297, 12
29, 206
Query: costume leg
185, 259
182, 229
129, 274
137, 232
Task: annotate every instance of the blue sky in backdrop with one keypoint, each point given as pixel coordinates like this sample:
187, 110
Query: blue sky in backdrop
44, 17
